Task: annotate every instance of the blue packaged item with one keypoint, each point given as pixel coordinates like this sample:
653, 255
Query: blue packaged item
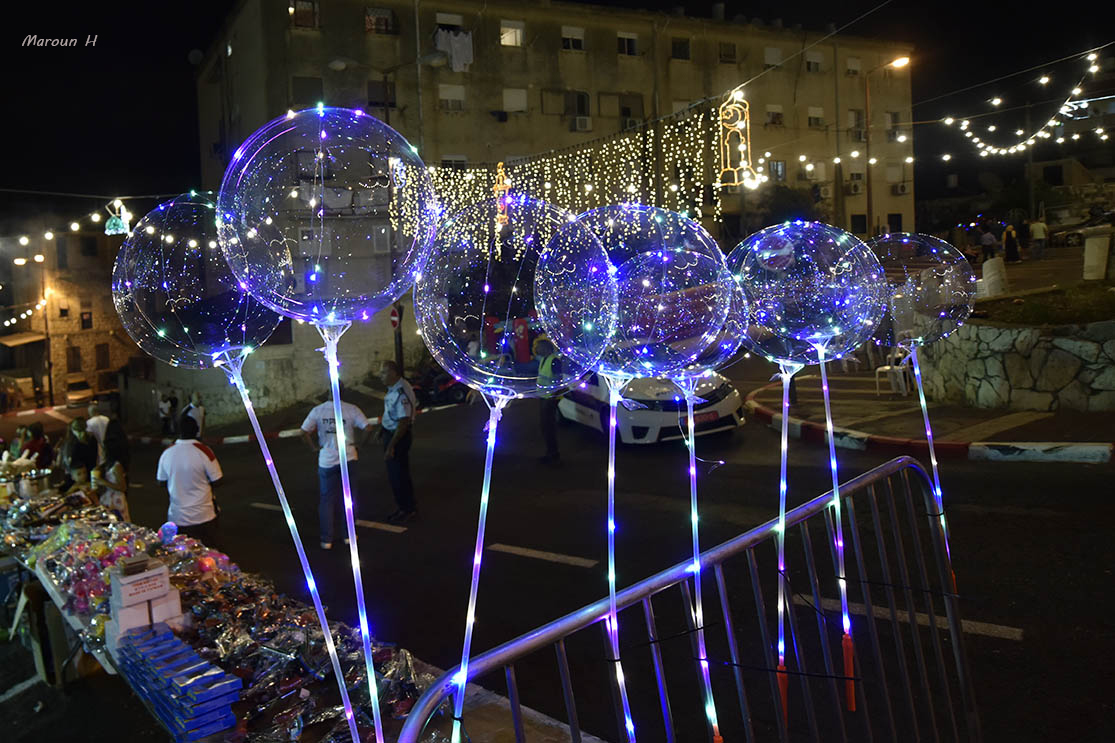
221, 724
184, 709
187, 680
216, 688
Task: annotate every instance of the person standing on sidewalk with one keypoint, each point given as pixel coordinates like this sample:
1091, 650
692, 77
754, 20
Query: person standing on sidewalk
399, 406
190, 471
322, 422
196, 410
1039, 233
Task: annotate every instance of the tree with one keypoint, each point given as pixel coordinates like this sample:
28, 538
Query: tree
783, 203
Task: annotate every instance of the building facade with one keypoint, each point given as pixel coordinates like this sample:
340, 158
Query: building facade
472, 82
70, 338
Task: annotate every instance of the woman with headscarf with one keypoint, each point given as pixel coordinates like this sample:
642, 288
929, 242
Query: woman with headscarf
1010, 245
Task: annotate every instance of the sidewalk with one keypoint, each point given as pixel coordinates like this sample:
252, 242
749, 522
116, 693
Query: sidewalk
863, 420
1060, 267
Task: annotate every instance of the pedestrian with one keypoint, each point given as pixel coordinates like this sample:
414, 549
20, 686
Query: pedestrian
196, 410
116, 443
111, 482
321, 421
79, 447
549, 374
987, 243
399, 407
190, 471
1039, 233
172, 398
96, 424
164, 414
1010, 245
38, 446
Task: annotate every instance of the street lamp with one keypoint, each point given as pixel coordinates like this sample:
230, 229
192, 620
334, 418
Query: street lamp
42, 305
895, 64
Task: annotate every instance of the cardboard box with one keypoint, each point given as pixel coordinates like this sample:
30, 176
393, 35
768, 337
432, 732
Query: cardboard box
129, 590
167, 607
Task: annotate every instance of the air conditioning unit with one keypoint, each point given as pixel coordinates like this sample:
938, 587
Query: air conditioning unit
853, 188
826, 192
900, 189
581, 124
629, 123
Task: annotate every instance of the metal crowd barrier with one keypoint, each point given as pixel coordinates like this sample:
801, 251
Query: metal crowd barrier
911, 678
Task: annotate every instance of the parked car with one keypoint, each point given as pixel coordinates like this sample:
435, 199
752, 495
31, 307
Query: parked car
659, 410
78, 391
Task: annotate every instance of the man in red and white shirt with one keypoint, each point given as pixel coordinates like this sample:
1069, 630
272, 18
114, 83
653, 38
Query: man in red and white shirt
190, 470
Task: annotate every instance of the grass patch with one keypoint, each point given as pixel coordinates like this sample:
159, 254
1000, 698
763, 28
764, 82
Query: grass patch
1086, 303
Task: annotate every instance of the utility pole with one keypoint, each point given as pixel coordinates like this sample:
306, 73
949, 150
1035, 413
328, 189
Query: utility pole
867, 151
46, 333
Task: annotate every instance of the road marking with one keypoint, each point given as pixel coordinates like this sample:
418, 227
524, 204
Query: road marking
580, 562
393, 528
972, 628
18, 689
984, 431
57, 416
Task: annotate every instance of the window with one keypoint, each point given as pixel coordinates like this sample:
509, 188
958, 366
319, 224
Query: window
894, 118
852, 66
857, 125
894, 222
451, 97
774, 114
515, 99
63, 254
305, 14
631, 105
89, 246
627, 43
576, 103
450, 21
454, 161
101, 351
86, 320
856, 173
778, 170
379, 20
818, 172
813, 60
73, 360
572, 39
64, 310
816, 118
381, 94
859, 224
511, 33
772, 57
679, 48
305, 91
727, 52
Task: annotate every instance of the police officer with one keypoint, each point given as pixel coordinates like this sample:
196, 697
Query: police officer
549, 376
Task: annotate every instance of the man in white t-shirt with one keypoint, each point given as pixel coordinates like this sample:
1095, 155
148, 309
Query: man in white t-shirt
319, 430
96, 424
190, 470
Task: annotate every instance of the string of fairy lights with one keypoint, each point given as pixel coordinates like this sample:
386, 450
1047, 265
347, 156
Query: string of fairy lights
1052, 129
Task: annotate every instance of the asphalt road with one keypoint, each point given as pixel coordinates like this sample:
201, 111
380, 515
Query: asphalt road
1031, 548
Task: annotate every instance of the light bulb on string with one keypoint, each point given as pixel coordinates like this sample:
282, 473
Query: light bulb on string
1044, 79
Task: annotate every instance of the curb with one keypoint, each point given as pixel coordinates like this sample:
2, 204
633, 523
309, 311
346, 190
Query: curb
32, 411
1085, 452
270, 435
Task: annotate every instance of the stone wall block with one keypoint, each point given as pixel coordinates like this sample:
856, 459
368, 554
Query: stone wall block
1087, 350
1060, 368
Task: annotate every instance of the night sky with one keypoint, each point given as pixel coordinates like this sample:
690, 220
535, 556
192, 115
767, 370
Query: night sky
120, 117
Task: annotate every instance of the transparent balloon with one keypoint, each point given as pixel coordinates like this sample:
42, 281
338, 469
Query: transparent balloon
135, 324
930, 288
178, 279
504, 278
673, 286
325, 215
812, 287
726, 346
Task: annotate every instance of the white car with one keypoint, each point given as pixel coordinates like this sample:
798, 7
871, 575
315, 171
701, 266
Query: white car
663, 417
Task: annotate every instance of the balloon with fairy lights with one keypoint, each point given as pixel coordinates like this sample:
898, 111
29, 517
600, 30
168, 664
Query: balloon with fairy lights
815, 293
178, 278
674, 294
178, 299
516, 299
325, 216
930, 289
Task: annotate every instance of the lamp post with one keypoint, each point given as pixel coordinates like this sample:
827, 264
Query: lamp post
41, 260
893, 64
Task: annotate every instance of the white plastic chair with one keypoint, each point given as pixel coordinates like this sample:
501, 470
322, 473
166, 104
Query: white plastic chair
897, 371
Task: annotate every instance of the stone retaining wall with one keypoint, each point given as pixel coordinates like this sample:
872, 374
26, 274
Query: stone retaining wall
1069, 367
